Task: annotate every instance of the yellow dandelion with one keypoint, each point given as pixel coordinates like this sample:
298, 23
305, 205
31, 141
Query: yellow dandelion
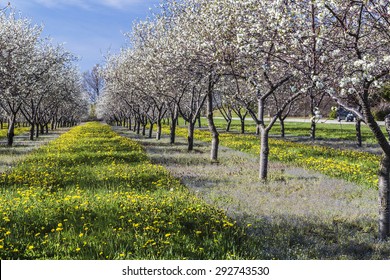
31, 247
78, 249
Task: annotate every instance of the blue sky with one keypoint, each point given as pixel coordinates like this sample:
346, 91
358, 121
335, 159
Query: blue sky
90, 29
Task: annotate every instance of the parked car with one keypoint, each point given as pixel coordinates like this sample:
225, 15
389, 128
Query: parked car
343, 114
350, 117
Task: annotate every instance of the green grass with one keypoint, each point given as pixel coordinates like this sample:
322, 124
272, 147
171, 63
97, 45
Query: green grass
342, 131
9, 156
91, 194
18, 131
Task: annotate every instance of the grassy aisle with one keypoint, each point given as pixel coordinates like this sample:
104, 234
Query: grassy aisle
10, 156
18, 131
92, 194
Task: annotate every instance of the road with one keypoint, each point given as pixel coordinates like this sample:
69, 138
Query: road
307, 120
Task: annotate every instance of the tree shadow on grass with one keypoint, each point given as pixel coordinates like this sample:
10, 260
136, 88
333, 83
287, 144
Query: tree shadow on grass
287, 237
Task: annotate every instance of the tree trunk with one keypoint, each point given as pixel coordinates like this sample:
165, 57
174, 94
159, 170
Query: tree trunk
387, 125
313, 129
190, 137
37, 130
242, 125
172, 133
143, 129
173, 123
358, 125
199, 121
258, 129
264, 153
11, 130
384, 191
32, 131
212, 128
150, 130
384, 198
229, 123
384, 171
282, 128
159, 130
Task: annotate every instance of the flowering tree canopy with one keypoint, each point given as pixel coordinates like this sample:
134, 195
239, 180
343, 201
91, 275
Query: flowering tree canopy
257, 55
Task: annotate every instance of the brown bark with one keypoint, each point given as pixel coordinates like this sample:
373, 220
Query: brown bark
173, 124
384, 173
242, 126
358, 125
11, 130
282, 128
313, 130
32, 130
387, 124
190, 136
159, 130
150, 129
384, 198
264, 153
212, 128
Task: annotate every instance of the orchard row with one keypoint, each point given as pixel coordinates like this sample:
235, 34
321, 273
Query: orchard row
39, 83
258, 58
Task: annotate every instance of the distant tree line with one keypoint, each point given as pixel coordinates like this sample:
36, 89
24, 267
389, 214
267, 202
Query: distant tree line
39, 83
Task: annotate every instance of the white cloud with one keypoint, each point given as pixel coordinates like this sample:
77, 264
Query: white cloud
88, 4
119, 3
